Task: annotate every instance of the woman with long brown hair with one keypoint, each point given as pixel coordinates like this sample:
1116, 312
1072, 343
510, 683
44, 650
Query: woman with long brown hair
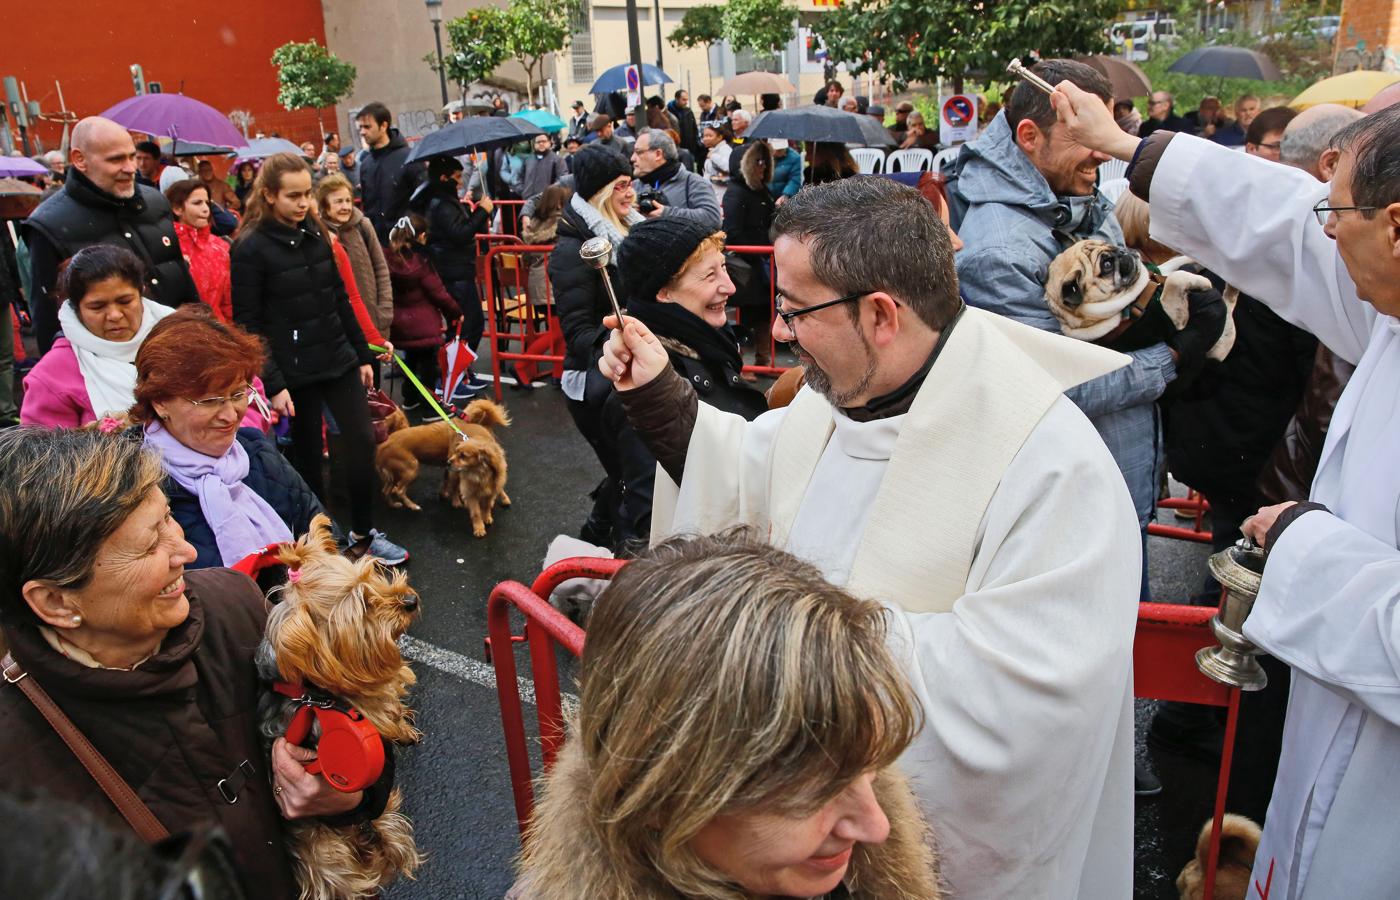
288, 291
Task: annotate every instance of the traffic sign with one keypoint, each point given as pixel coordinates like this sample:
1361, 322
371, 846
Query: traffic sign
957, 121
634, 79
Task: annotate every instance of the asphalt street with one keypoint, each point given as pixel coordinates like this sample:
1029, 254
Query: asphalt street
455, 781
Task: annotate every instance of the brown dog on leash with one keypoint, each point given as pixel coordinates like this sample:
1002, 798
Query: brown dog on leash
401, 455
476, 467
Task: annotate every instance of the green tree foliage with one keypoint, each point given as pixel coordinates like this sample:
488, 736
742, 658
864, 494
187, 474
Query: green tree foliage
764, 26
310, 77
701, 26
904, 41
534, 30
476, 44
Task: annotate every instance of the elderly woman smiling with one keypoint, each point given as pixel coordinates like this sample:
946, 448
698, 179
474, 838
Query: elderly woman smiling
230, 489
737, 728
88, 374
151, 663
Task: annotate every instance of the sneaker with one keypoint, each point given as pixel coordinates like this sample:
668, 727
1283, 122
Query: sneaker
477, 381
466, 391
1145, 784
378, 545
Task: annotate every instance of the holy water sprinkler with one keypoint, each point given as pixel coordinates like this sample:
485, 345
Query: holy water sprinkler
1239, 569
1020, 71
597, 252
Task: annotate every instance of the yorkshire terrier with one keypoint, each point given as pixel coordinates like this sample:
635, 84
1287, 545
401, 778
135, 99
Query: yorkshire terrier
334, 633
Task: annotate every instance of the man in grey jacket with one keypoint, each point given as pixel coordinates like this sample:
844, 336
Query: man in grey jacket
657, 168
1023, 192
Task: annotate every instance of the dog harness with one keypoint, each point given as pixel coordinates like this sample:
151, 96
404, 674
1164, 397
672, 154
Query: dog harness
1151, 294
349, 753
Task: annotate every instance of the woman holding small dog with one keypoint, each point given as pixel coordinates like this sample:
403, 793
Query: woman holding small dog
678, 285
152, 664
287, 290
230, 488
88, 374
736, 736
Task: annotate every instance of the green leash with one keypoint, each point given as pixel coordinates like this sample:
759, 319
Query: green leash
427, 394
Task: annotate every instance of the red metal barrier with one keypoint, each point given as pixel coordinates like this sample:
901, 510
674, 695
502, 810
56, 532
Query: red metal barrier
544, 627
530, 324
1164, 668
1194, 502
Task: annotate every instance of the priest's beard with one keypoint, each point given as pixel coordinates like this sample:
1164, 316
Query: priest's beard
820, 381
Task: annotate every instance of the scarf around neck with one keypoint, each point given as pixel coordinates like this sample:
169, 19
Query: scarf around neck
109, 367
242, 522
600, 226
713, 346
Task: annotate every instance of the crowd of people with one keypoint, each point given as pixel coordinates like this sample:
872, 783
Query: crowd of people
876, 637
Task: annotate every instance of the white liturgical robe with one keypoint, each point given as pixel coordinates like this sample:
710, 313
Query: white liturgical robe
1331, 588
993, 523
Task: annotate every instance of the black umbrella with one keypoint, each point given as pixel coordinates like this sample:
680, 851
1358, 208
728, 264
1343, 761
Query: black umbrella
821, 124
196, 148
472, 133
1227, 62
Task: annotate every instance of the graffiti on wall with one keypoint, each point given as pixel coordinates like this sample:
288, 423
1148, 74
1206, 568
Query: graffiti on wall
1376, 59
415, 123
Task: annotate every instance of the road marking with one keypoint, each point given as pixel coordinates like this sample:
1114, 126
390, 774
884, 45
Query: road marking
473, 670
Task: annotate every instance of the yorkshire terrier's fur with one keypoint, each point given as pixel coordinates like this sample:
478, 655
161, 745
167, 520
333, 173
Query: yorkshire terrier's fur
336, 627
476, 466
1239, 840
400, 456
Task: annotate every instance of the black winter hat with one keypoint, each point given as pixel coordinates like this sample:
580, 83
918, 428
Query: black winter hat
595, 166
654, 251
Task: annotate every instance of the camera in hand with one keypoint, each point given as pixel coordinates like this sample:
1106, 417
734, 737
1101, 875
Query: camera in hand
648, 201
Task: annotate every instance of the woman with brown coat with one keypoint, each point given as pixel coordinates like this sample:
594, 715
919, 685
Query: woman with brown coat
336, 198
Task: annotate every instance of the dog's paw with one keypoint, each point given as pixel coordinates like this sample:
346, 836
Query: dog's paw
504, 500
478, 531
1174, 301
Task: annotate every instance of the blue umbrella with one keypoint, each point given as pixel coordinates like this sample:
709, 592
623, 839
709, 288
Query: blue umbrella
541, 118
615, 79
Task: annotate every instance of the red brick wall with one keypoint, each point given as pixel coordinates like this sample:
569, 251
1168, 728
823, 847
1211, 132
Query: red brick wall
1370, 36
220, 51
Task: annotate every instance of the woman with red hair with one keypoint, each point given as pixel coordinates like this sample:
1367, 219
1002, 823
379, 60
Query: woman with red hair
229, 487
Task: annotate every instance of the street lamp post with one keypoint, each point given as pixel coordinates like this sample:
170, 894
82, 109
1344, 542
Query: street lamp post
435, 15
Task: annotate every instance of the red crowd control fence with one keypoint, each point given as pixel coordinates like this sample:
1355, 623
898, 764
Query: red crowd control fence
520, 311
1193, 503
1164, 668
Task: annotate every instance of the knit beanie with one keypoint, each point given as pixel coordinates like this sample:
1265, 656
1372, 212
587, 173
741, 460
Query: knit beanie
654, 251
595, 166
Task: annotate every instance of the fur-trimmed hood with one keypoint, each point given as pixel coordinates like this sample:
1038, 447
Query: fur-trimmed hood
563, 859
744, 162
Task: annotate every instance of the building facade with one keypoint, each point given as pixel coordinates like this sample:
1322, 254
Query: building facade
1369, 36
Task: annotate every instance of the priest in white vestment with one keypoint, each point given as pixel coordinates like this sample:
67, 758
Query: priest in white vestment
1331, 589
933, 463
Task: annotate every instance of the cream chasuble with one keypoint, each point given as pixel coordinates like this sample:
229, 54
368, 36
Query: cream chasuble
992, 521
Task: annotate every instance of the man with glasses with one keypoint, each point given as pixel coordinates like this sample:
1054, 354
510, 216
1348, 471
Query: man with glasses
1327, 258
933, 462
1161, 114
667, 188
1264, 136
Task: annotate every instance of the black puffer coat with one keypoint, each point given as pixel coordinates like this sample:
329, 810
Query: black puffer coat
386, 183
748, 206
452, 230
81, 215
287, 290
579, 295
270, 476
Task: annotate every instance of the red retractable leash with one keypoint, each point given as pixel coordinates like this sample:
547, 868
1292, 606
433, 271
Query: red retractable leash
350, 753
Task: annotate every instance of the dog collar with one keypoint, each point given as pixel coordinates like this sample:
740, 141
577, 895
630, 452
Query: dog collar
1135, 310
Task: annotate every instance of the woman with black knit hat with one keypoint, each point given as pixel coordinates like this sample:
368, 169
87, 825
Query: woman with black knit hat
676, 283
601, 207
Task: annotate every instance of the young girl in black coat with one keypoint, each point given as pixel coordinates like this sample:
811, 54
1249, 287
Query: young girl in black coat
287, 290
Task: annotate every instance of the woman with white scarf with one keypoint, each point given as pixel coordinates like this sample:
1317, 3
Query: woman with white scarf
90, 371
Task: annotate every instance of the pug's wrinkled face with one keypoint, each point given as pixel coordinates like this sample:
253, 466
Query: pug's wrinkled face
1087, 273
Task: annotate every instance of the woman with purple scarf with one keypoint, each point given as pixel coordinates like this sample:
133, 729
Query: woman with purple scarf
230, 489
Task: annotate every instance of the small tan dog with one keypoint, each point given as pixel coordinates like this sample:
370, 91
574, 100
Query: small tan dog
1238, 843
333, 634
399, 458
1098, 292
476, 467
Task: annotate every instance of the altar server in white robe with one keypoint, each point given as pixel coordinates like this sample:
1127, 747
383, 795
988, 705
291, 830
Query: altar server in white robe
1331, 588
932, 463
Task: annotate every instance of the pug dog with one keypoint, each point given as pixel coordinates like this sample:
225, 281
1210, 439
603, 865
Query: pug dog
1104, 294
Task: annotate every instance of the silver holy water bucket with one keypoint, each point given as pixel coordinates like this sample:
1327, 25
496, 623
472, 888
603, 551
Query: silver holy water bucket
1239, 570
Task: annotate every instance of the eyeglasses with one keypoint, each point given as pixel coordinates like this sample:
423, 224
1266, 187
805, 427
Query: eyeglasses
1322, 211
623, 186
790, 317
237, 398
1271, 146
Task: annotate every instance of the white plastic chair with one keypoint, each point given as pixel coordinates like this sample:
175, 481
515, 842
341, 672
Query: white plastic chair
870, 160
944, 155
1112, 170
915, 159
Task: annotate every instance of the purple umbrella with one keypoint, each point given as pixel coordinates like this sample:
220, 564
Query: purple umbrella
175, 116
20, 167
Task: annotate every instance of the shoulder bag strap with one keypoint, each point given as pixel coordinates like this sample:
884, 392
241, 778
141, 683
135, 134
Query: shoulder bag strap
136, 813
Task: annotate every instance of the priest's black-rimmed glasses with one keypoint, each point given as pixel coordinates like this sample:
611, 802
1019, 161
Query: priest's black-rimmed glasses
789, 317
1322, 211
